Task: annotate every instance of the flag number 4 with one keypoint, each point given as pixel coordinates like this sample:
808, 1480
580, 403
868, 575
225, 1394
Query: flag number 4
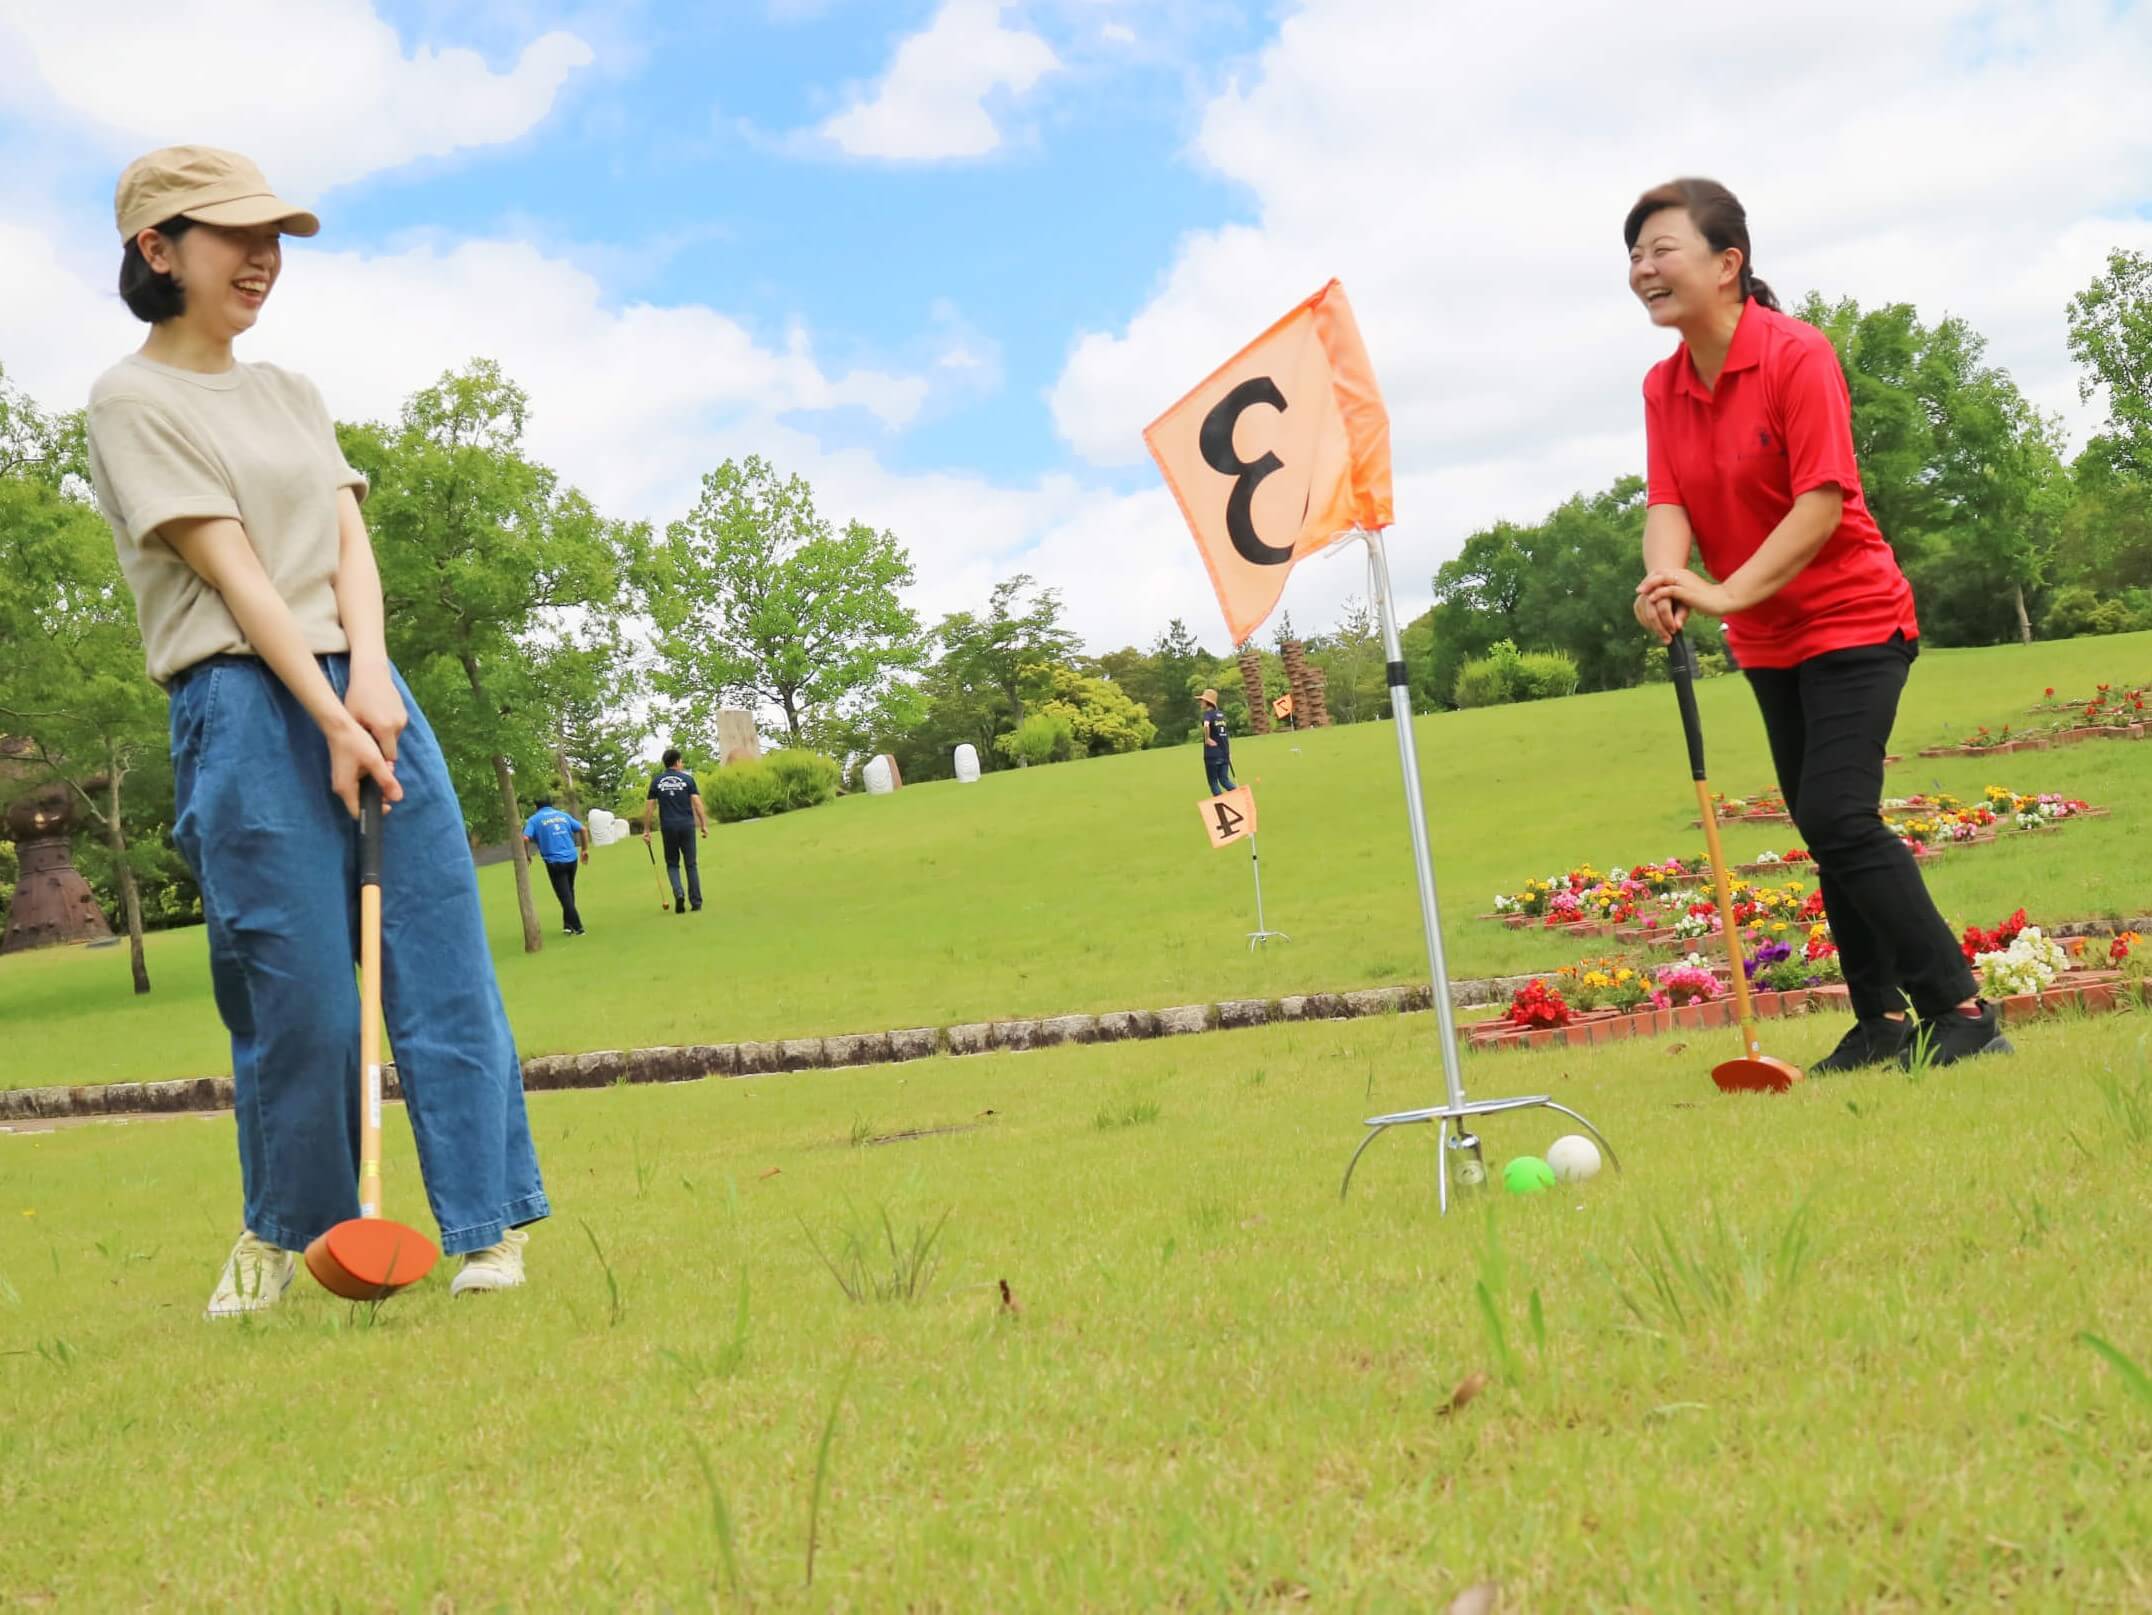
1216, 444
1228, 819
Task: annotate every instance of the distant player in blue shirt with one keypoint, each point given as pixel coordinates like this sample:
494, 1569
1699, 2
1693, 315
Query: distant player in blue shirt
678, 807
558, 838
1217, 746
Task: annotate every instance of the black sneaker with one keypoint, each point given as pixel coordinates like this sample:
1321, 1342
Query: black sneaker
1871, 1042
1952, 1037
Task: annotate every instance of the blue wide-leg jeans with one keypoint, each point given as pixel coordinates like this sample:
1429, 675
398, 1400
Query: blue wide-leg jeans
276, 856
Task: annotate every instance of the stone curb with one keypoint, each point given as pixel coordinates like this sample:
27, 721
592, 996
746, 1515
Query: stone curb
607, 1068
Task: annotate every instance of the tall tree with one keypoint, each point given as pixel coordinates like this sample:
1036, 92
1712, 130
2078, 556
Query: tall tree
1179, 658
987, 655
1350, 656
71, 674
2111, 337
1963, 475
483, 555
588, 682
758, 599
1564, 584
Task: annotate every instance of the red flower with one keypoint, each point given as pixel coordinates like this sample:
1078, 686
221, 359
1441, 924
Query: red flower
1539, 1006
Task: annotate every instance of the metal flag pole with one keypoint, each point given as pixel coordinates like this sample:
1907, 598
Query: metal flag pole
1261, 933
1471, 1169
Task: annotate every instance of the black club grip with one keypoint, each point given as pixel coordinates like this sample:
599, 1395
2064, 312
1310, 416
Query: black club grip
1681, 664
369, 833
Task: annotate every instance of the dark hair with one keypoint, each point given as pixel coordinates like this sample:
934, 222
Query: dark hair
1718, 216
672, 756
151, 294
543, 801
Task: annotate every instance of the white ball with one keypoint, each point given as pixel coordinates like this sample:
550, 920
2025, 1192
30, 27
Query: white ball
1573, 1158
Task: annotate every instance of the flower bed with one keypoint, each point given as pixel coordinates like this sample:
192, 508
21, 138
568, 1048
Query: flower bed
2091, 991
2023, 969
2111, 712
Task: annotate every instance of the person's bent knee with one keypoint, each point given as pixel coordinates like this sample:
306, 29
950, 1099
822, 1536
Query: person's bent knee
1828, 827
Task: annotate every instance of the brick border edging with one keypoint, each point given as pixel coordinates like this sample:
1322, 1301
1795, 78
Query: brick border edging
605, 1068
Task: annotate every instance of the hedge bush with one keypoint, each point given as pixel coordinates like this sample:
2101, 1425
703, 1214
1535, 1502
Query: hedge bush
782, 782
1508, 674
1044, 737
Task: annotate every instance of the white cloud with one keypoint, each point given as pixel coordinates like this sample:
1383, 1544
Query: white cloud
320, 92
630, 403
1466, 178
932, 103
1466, 173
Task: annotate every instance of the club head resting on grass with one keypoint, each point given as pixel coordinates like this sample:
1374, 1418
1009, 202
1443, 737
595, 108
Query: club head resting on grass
370, 1258
1758, 1074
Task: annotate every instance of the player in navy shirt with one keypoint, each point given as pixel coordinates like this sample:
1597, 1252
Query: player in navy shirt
680, 817
1217, 746
558, 839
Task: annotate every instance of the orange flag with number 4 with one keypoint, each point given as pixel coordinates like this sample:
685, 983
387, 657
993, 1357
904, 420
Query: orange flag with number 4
1280, 452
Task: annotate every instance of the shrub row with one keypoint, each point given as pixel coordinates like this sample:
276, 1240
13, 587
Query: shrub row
1508, 674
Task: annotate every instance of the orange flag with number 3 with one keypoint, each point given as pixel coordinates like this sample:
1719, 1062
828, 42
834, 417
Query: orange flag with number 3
1280, 452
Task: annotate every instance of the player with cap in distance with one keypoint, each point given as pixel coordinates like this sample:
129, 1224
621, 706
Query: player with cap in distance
1217, 746
238, 526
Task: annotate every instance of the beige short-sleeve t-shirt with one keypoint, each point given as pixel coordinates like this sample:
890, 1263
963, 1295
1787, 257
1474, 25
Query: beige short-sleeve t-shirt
254, 443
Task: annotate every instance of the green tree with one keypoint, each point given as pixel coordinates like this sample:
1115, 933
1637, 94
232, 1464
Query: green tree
973, 692
757, 598
484, 555
1100, 714
1563, 584
2105, 536
987, 655
588, 681
1962, 474
71, 674
1179, 659
2110, 325
1350, 656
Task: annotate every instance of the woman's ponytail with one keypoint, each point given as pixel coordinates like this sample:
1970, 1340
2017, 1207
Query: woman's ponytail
1753, 286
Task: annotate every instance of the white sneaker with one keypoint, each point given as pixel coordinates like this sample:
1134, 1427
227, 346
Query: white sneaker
497, 1267
256, 1275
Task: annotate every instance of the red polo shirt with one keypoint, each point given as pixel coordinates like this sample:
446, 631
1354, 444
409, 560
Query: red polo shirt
1779, 423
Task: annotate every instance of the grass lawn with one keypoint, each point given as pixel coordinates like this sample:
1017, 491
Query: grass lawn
1089, 886
1813, 1353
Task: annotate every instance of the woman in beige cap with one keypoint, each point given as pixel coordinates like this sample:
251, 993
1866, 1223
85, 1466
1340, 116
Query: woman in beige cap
238, 525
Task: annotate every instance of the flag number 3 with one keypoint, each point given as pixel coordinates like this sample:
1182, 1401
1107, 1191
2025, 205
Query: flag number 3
1216, 445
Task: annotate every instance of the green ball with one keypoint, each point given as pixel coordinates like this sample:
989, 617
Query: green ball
1527, 1174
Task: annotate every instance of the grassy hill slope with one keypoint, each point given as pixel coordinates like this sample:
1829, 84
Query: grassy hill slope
1089, 886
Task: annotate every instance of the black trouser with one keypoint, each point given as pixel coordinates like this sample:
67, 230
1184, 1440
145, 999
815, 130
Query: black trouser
563, 878
1219, 771
680, 847
1829, 721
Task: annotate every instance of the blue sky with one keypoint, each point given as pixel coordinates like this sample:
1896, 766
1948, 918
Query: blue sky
678, 171
946, 258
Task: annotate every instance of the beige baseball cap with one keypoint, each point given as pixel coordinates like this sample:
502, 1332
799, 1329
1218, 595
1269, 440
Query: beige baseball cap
207, 185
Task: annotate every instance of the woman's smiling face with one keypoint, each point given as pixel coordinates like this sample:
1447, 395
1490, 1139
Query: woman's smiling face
226, 272
1674, 272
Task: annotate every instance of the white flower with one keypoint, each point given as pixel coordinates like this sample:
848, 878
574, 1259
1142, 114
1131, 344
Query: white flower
2029, 965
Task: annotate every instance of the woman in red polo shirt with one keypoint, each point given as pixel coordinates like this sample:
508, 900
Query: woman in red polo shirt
1749, 429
